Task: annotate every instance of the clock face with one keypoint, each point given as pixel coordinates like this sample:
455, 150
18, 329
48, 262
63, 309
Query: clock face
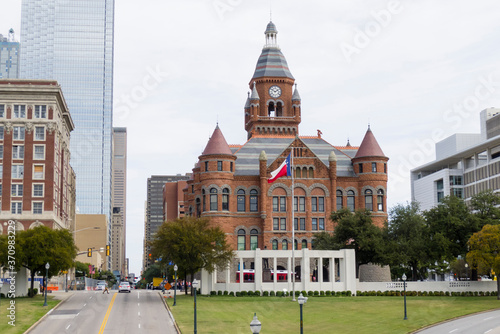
275, 91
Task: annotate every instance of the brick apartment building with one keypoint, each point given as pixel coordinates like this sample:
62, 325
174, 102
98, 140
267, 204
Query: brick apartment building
229, 182
38, 184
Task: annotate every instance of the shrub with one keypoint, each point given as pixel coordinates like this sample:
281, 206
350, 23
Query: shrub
279, 293
304, 293
238, 294
297, 293
231, 293
328, 293
310, 293
243, 293
35, 292
316, 293
322, 293
226, 293
272, 294
213, 293
219, 293
487, 293
476, 293
265, 293
348, 293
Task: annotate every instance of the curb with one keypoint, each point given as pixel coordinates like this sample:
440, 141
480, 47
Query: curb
47, 314
169, 313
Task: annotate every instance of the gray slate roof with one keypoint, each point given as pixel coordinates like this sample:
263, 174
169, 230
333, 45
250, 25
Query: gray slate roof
247, 162
272, 63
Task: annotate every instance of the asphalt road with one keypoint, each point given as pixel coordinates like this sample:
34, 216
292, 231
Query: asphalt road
482, 323
93, 312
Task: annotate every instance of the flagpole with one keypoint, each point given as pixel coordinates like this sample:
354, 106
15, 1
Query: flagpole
293, 230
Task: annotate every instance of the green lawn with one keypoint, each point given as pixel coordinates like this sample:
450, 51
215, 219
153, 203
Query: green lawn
28, 311
357, 315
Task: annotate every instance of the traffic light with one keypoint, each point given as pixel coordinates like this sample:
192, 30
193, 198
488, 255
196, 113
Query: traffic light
150, 256
107, 250
89, 252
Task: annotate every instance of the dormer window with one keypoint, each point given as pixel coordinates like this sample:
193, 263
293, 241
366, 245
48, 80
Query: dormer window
219, 166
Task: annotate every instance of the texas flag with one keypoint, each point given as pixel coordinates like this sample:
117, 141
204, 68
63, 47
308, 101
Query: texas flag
283, 170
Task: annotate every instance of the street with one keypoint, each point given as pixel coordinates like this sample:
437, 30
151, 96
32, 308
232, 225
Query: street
94, 312
486, 322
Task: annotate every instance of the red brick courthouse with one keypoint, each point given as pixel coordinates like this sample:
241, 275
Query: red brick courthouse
229, 183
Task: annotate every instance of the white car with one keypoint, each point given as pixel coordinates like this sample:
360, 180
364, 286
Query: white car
124, 286
100, 286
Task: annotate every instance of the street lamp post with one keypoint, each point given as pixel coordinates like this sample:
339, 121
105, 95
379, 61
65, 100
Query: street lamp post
255, 325
195, 287
302, 300
466, 272
47, 266
404, 289
175, 286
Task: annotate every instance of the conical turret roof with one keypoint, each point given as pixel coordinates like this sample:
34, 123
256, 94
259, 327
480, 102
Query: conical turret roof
369, 146
217, 144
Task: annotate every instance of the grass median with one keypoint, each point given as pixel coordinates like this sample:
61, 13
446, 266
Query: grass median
27, 312
357, 315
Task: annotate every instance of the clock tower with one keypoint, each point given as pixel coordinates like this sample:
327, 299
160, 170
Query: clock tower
273, 106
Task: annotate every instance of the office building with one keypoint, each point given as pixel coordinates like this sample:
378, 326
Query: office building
91, 232
9, 56
154, 216
466, 164
119, 200
72, 42
37, 185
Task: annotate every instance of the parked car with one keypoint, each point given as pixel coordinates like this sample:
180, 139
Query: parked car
100, 286
124, 286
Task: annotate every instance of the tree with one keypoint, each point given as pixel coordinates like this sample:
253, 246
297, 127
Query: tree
40, 245
450, 227
356, 231
324, 241
153, 270
106, 275
407, 239
192, 244
485, 250
485, 208
81, 269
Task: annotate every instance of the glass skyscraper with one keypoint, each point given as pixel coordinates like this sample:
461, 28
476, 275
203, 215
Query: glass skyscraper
9, 57
72, 42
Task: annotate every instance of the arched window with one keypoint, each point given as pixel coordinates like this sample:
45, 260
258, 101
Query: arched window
298, 172
213, 199
241, 239
304, 172
279, 109
198, 209
340, 200
380, 200
284, 245
275, 244
225, 199
311, 172
304, 244
270, 109
254, 200
350, 200
254, 239
190, 210
241, 200
295, 244
368, 200
204, 200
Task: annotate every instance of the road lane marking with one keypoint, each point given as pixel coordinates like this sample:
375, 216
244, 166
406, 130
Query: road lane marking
139, 326
107, 314
84, 304
489, 330
68, 327
139, 314
489, 318
456, 329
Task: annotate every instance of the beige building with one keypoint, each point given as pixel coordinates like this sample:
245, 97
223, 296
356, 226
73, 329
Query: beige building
91, 231
119, 200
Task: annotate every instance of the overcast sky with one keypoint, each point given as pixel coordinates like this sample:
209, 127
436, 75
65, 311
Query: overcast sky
416, 71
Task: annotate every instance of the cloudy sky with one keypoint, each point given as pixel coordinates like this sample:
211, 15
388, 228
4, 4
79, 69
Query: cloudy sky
416, 71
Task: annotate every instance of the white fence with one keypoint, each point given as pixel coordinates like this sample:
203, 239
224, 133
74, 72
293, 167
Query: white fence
450, 286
